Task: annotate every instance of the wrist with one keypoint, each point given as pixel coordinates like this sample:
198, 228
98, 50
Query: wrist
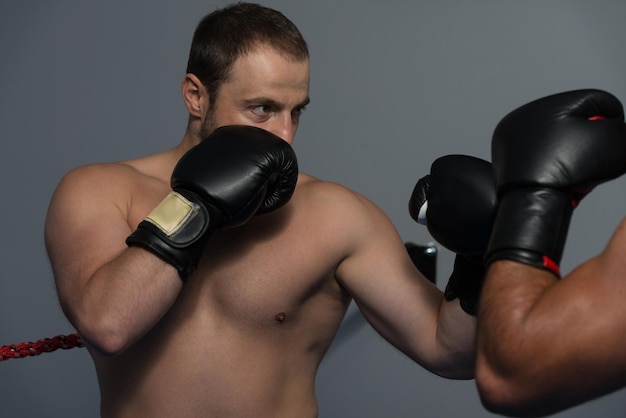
466, 283
531, 227
176, 230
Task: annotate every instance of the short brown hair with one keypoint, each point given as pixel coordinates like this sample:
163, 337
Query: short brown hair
228, 33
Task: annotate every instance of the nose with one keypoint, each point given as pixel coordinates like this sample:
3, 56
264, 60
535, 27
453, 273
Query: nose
284, 128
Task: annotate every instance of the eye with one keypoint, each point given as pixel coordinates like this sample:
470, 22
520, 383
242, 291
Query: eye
262, 109
296, 113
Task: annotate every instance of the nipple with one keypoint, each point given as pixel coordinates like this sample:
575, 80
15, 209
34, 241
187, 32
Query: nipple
280, 317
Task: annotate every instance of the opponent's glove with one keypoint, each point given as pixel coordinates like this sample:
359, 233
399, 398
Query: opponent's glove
457, 202
547, 155
235, 173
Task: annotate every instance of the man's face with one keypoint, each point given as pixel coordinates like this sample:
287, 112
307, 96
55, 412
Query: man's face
265, 90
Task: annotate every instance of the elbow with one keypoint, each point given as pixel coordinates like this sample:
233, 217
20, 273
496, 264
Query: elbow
101, 333
106, 345
496, 394
505, 393
108, 341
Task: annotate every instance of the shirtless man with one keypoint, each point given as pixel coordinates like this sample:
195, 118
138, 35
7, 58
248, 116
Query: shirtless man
244, 331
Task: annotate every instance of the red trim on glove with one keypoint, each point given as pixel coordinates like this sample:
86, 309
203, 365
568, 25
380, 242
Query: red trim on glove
551, 265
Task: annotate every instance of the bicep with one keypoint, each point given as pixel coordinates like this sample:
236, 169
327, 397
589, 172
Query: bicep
395, 298
84, 229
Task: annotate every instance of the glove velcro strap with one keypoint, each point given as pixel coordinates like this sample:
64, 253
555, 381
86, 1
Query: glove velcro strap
175, 231
531, 227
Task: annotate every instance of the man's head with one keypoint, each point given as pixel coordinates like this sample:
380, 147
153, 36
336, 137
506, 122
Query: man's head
247, 55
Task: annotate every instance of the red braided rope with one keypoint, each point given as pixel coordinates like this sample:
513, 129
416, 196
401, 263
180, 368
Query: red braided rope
46, 345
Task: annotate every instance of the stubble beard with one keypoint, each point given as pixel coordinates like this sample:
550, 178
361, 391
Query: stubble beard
208, 125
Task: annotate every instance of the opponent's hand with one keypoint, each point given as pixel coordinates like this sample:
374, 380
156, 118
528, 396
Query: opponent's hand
235, 173
547, 155
457, 202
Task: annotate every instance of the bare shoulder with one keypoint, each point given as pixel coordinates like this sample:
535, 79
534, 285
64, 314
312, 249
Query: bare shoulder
120, 184
101, 179
333, 196
352, 213
100, 203
85, 187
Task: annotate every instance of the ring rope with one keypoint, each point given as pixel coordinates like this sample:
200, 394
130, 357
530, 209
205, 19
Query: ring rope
46, 345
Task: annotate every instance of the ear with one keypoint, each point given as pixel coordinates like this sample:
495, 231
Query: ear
194, 95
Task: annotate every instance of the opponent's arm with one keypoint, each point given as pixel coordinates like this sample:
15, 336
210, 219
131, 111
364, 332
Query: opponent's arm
113, 294
546, 344
556, 344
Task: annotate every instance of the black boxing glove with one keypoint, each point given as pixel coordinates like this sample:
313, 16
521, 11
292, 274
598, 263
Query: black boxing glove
547, 155
235, 173
457, 203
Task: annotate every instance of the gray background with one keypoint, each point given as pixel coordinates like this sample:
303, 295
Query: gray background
395, 84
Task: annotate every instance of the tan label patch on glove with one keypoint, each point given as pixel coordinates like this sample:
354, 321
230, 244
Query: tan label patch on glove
172, 213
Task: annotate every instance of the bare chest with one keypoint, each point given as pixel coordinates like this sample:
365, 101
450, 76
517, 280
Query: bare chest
270, 272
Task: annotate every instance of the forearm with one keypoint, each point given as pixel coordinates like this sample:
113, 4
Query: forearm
525, 341
511, 291
123, 300
545, 345
455, 341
